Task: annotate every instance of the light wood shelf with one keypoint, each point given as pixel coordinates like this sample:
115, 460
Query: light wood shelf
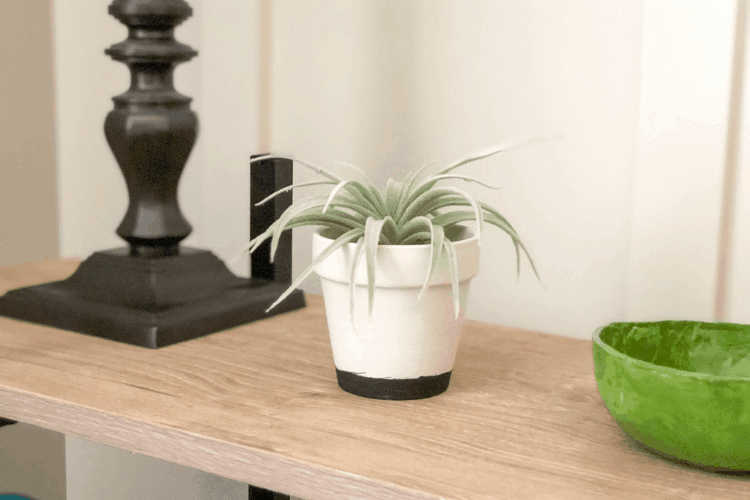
259, 404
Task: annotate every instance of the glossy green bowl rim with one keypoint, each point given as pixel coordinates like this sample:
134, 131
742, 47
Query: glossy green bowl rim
647, 364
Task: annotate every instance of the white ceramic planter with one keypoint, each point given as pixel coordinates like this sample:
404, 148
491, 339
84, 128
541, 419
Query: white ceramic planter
408, 350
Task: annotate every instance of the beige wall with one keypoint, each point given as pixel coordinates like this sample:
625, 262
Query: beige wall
28, 187
32, 460
97, 471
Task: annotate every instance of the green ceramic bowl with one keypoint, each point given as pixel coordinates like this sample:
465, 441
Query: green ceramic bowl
681, 388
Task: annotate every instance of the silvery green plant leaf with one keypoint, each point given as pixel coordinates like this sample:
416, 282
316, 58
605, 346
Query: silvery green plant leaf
342, 240
453, 265
352, 274
289, 188
333, 194
437, 239
314, 168
287, 217
462, 177
411, 212
372, 240
356, 169
392, 195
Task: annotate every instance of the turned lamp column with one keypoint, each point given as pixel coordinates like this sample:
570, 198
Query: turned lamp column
155, 292
152, 130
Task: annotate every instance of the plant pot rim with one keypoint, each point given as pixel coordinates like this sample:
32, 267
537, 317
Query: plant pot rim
398, 266
472, 236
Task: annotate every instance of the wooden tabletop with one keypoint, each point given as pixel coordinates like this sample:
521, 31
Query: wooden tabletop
259, 404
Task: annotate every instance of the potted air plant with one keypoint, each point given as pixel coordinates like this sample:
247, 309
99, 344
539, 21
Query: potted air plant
395, 268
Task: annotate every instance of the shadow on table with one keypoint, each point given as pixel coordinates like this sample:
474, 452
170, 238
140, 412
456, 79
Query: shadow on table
741, 475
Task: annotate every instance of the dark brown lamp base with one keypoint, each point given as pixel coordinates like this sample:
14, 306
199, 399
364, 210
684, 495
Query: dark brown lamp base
156, 293
149, 302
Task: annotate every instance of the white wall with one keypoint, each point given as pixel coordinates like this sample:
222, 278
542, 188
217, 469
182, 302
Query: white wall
679, 164
92, 193
539, 68
392, 85
738, 300
228, 135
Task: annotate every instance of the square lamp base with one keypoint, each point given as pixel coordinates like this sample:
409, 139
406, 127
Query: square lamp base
149, 302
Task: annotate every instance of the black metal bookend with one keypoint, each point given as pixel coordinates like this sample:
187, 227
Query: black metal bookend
267, 177
6, 421
156, 293
263, 494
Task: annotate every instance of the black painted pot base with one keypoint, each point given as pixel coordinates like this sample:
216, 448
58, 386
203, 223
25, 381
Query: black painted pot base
395, 389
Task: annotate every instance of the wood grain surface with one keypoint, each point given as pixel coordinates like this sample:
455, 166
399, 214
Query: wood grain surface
260, 404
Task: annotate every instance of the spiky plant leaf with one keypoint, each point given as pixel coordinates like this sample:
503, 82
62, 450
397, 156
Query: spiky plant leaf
340, 222
409, 185
463, 178
430, 182
318, 170
418, 224
405, 213
437, 237
333, 194
429, 197
372, 237
356, 169
337, 243
289, 188
369, 198
389, 233
418, 238
508, 146
287, 215
392, 195
452, 218
453, 266
368, 185
352, 273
